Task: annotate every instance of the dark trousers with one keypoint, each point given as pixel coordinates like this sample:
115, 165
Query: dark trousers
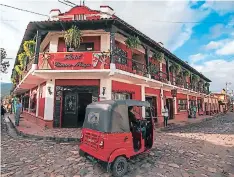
165, 121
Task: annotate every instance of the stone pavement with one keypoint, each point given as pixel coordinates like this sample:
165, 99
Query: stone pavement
195, 150
30, 128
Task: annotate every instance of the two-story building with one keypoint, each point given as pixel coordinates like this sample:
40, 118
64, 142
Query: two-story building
110, 59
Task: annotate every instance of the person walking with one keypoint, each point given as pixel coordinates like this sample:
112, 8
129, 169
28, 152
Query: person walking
165, 115
3, 111
18, 110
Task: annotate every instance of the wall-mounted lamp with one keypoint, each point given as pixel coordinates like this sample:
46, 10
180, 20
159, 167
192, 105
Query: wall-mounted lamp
103, 90
49, 90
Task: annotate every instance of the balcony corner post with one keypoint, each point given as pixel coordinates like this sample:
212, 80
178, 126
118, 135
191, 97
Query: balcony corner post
112, 43
148, 72
37, 47
167, 69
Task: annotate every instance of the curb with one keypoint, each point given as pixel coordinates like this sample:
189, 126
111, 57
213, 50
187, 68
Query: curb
45, 138
163, 129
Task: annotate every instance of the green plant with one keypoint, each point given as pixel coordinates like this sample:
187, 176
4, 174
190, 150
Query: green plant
175, 68
186, 73
132, 42
18, 69
207, 84
158, 56
29, 48
195, 77
22, 59
153, 69
72, 37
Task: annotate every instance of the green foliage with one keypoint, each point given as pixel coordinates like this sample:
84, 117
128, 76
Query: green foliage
195, 77
176, 68
132, 42
4, 64
72, 37
207, 84
158, 56
22, 58
186, 73
18, 69
29, 48
153, 69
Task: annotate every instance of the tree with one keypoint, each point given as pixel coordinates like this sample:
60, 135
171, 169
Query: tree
4, 64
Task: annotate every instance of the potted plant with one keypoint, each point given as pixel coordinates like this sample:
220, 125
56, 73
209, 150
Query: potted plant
153, 70
22, 59
159, 56
132, 42
73, 38
207, 84
186, 73
29, 48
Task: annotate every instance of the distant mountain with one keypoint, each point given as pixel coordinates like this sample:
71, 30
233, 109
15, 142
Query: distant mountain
5, 88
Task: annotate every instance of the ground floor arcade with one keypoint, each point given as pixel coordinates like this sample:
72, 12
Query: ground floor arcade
61, 102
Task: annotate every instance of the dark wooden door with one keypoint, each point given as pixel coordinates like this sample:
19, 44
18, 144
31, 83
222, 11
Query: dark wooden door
70, 110
169, 103
84, 100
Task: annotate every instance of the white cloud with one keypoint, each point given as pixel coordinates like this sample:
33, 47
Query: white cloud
197, 57
227, 49
221, 7
213, 45
218, 75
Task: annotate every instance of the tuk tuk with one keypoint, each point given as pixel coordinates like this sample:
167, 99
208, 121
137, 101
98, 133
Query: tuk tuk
110, 136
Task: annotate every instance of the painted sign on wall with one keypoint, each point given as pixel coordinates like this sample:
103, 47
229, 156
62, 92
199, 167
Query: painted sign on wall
75, 60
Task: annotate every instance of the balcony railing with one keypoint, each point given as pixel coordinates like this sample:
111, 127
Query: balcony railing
160, 76
30, 63
131, 66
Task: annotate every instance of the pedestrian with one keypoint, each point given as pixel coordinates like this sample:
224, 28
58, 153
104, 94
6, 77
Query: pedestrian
18, 111
165, 115
3, 111
194, 111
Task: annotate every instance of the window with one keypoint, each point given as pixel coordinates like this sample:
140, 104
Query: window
120, 96
182, 104
25, 103
86, 47
80, 17
153, 106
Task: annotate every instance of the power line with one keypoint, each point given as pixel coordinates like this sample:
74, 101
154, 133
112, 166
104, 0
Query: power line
24, 10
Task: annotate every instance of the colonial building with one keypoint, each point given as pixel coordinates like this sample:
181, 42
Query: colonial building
83, 55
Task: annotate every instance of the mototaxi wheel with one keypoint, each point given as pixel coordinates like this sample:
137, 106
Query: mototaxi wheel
120, 167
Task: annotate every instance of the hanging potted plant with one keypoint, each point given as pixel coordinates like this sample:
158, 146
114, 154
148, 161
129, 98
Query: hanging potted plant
73, 38
29, 48
153, 70
159, 56
207, 84
186, 73
195, 77
175, 68
132, 42
22, 59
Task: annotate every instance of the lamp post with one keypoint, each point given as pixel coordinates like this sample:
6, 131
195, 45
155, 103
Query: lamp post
227, 83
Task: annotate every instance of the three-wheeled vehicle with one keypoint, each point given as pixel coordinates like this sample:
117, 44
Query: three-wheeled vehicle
110, 136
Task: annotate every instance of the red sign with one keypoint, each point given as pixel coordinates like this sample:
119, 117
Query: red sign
74, 60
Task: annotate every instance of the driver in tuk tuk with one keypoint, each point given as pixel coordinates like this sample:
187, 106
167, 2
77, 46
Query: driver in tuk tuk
133, 120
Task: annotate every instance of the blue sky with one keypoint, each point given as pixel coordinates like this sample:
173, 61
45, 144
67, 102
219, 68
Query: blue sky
207, 45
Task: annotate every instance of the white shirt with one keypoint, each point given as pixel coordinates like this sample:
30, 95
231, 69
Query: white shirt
165, 112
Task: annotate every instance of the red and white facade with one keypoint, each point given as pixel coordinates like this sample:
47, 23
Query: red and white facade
61, 81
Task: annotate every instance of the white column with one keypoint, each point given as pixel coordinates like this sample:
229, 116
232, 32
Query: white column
143, 99
49, 99
29, 101
54, 44
38, 96
105, 42
105, 89
162, 99
175, 104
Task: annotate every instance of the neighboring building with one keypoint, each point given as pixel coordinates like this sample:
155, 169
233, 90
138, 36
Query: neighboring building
211, 104
57, 84
222, 100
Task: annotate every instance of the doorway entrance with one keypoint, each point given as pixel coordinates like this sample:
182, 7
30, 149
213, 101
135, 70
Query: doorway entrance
153, 107
74, 106
170, 106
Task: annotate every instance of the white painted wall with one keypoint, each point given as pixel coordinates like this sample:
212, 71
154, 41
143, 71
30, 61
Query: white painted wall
105, 42
162, 99
54, 43
107, 83
49, 100
38, 94
175, 104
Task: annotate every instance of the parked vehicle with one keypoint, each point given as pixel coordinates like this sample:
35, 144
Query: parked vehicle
109, 136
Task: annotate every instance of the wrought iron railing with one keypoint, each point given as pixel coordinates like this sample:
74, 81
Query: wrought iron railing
30, 63
131, 66
160, 76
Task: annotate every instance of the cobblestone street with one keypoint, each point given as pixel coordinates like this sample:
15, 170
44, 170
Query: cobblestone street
204, 149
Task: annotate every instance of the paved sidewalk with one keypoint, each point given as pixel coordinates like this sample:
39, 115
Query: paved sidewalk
31, 129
